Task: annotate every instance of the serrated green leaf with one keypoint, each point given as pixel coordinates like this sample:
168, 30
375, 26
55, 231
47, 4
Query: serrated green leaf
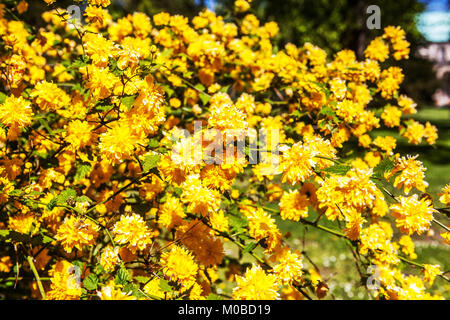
150, 162
83, 169
133, 289
83, 198
122, 276
90, 282
237, 223
384, 166
63, 196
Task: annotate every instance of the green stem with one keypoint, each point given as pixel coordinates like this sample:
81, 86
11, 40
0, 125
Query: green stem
421, 266
36, 276
103, 227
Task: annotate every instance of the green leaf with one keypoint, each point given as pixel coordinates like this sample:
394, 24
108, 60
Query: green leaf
340, 169
250, 247
133, 289
213, 296
200, 87
63, 196
164, 285
205, 98
153, 143
384, 166
297, 114
4, 233
122, 276
52, 203
150, 162
128, 101
2, 97
141, 279
178, 191
90, 282
83, 198
83, 169
79, 63
46, 239
237, 223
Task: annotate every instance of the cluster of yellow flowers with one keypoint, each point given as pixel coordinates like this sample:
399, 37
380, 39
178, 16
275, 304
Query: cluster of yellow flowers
96, 182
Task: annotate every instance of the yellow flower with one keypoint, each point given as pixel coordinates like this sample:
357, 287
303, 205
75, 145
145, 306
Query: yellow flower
391, 116
446, 237
407, 104
430, 133
241, 5
298, 163
430, 272
262, 225
171, 212
219, 221
386, 144
109, 258
256, 285
119, 142
407, 246
5, 264
16, 112
179, 265
22, 222
79, 134
294, 206
65, 281
377, 239
153, 289
289, 266
413, 214
103, 3
414, 132
132, 231
412, 174
196, 237
377, 50
77, 233
199, 198
342, 195
445, 196
49, 97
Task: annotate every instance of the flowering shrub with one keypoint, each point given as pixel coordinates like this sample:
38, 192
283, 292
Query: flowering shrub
114, 183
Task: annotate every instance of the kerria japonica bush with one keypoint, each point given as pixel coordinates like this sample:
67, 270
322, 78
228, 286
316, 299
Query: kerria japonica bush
123, 142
